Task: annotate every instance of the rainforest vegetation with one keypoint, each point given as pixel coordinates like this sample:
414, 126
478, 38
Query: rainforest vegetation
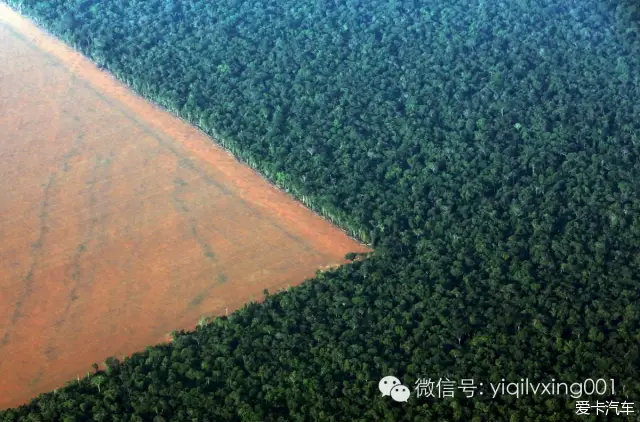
489, 150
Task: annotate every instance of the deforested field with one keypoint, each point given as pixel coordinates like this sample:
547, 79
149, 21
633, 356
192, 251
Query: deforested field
120, 223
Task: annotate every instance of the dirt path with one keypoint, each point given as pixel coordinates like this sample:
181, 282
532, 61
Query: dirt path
119, 222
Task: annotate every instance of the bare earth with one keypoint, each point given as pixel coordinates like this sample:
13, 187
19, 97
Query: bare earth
120, 222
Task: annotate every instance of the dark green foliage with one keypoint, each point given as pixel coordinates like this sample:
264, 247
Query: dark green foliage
489, 150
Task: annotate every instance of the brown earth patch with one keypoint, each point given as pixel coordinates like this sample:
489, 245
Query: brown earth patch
119, 222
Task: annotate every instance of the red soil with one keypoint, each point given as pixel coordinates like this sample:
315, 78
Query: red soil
119, 222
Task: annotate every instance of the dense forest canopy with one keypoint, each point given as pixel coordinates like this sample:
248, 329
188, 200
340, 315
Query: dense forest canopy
488, 149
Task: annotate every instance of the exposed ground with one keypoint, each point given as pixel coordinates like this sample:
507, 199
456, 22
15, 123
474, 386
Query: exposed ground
120, 222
